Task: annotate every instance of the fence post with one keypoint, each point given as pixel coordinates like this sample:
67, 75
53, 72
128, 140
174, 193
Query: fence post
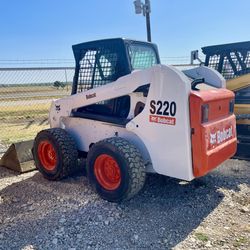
66, 79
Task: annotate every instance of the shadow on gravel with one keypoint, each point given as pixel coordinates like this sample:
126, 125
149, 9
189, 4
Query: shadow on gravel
60, 215
5, 172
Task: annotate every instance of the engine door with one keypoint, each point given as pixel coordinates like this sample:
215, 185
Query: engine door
213, 128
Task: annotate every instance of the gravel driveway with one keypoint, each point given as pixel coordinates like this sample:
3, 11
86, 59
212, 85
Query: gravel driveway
209, 213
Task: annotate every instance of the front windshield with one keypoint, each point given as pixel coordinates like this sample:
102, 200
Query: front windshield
142, 56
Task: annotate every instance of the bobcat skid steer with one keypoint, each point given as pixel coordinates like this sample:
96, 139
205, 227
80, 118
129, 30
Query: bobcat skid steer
130, 115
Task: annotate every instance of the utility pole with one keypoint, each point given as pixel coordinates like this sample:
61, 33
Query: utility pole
145, 9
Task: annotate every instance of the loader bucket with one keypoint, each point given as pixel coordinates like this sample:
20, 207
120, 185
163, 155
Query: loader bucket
19, 157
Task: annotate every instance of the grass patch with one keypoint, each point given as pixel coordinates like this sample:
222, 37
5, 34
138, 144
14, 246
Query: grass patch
202, 237
15, 132
30, 110
30, 89
240, 241
32, 92
31, 98
26, 113
20, 123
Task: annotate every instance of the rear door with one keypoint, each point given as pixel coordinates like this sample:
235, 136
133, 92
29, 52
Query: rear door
213, 127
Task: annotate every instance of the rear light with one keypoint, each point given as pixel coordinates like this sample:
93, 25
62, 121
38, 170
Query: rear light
204, 113
231, 107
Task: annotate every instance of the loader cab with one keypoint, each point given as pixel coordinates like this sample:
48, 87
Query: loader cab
104, 61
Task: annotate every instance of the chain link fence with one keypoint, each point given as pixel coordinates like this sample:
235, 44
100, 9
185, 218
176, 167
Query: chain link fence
25, 98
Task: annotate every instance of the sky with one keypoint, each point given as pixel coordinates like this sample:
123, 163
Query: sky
46, 29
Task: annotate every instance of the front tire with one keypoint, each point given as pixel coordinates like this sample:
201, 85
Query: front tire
55, 153
116, 168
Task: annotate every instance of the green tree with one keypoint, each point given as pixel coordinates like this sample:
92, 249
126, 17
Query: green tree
58, 84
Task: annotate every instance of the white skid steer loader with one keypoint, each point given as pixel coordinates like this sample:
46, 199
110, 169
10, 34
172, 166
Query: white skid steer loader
130, 115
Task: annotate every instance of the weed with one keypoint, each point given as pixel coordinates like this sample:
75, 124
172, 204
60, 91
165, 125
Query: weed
202, 237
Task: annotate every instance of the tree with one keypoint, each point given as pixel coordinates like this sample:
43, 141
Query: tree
63, 84
58, 84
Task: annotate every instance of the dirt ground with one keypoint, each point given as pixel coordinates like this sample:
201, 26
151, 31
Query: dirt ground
212, 212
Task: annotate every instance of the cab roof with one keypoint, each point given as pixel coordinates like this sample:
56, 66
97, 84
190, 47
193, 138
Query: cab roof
229, 47
109, 40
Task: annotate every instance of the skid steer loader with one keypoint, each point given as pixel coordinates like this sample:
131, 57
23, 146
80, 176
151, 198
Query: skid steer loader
129, 115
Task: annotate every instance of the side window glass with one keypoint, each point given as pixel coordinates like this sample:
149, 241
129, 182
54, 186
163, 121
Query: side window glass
142, 56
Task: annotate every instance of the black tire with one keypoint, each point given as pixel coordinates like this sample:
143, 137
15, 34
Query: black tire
131, 165
65, 150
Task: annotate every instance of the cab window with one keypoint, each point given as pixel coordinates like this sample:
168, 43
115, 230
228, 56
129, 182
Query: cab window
142, 56
97, 67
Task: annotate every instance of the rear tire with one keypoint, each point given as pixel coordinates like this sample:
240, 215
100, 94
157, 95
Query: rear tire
55, 153
116, 169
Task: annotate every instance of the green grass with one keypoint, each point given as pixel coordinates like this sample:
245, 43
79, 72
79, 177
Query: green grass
242, 240
202, 237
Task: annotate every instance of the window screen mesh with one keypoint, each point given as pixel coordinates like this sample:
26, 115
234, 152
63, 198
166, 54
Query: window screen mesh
227, 70
97, 67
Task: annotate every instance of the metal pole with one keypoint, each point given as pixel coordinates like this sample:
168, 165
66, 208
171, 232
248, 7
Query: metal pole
145, 9
66, 78
147, 6
148, 27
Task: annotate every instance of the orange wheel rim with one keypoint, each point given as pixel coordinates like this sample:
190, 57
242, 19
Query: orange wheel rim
107, 172
47, 155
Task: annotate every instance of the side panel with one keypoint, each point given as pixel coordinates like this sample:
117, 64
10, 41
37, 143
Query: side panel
86, 132
164, 124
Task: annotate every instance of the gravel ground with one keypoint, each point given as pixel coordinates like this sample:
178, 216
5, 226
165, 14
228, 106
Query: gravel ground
209, 213
3, 149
